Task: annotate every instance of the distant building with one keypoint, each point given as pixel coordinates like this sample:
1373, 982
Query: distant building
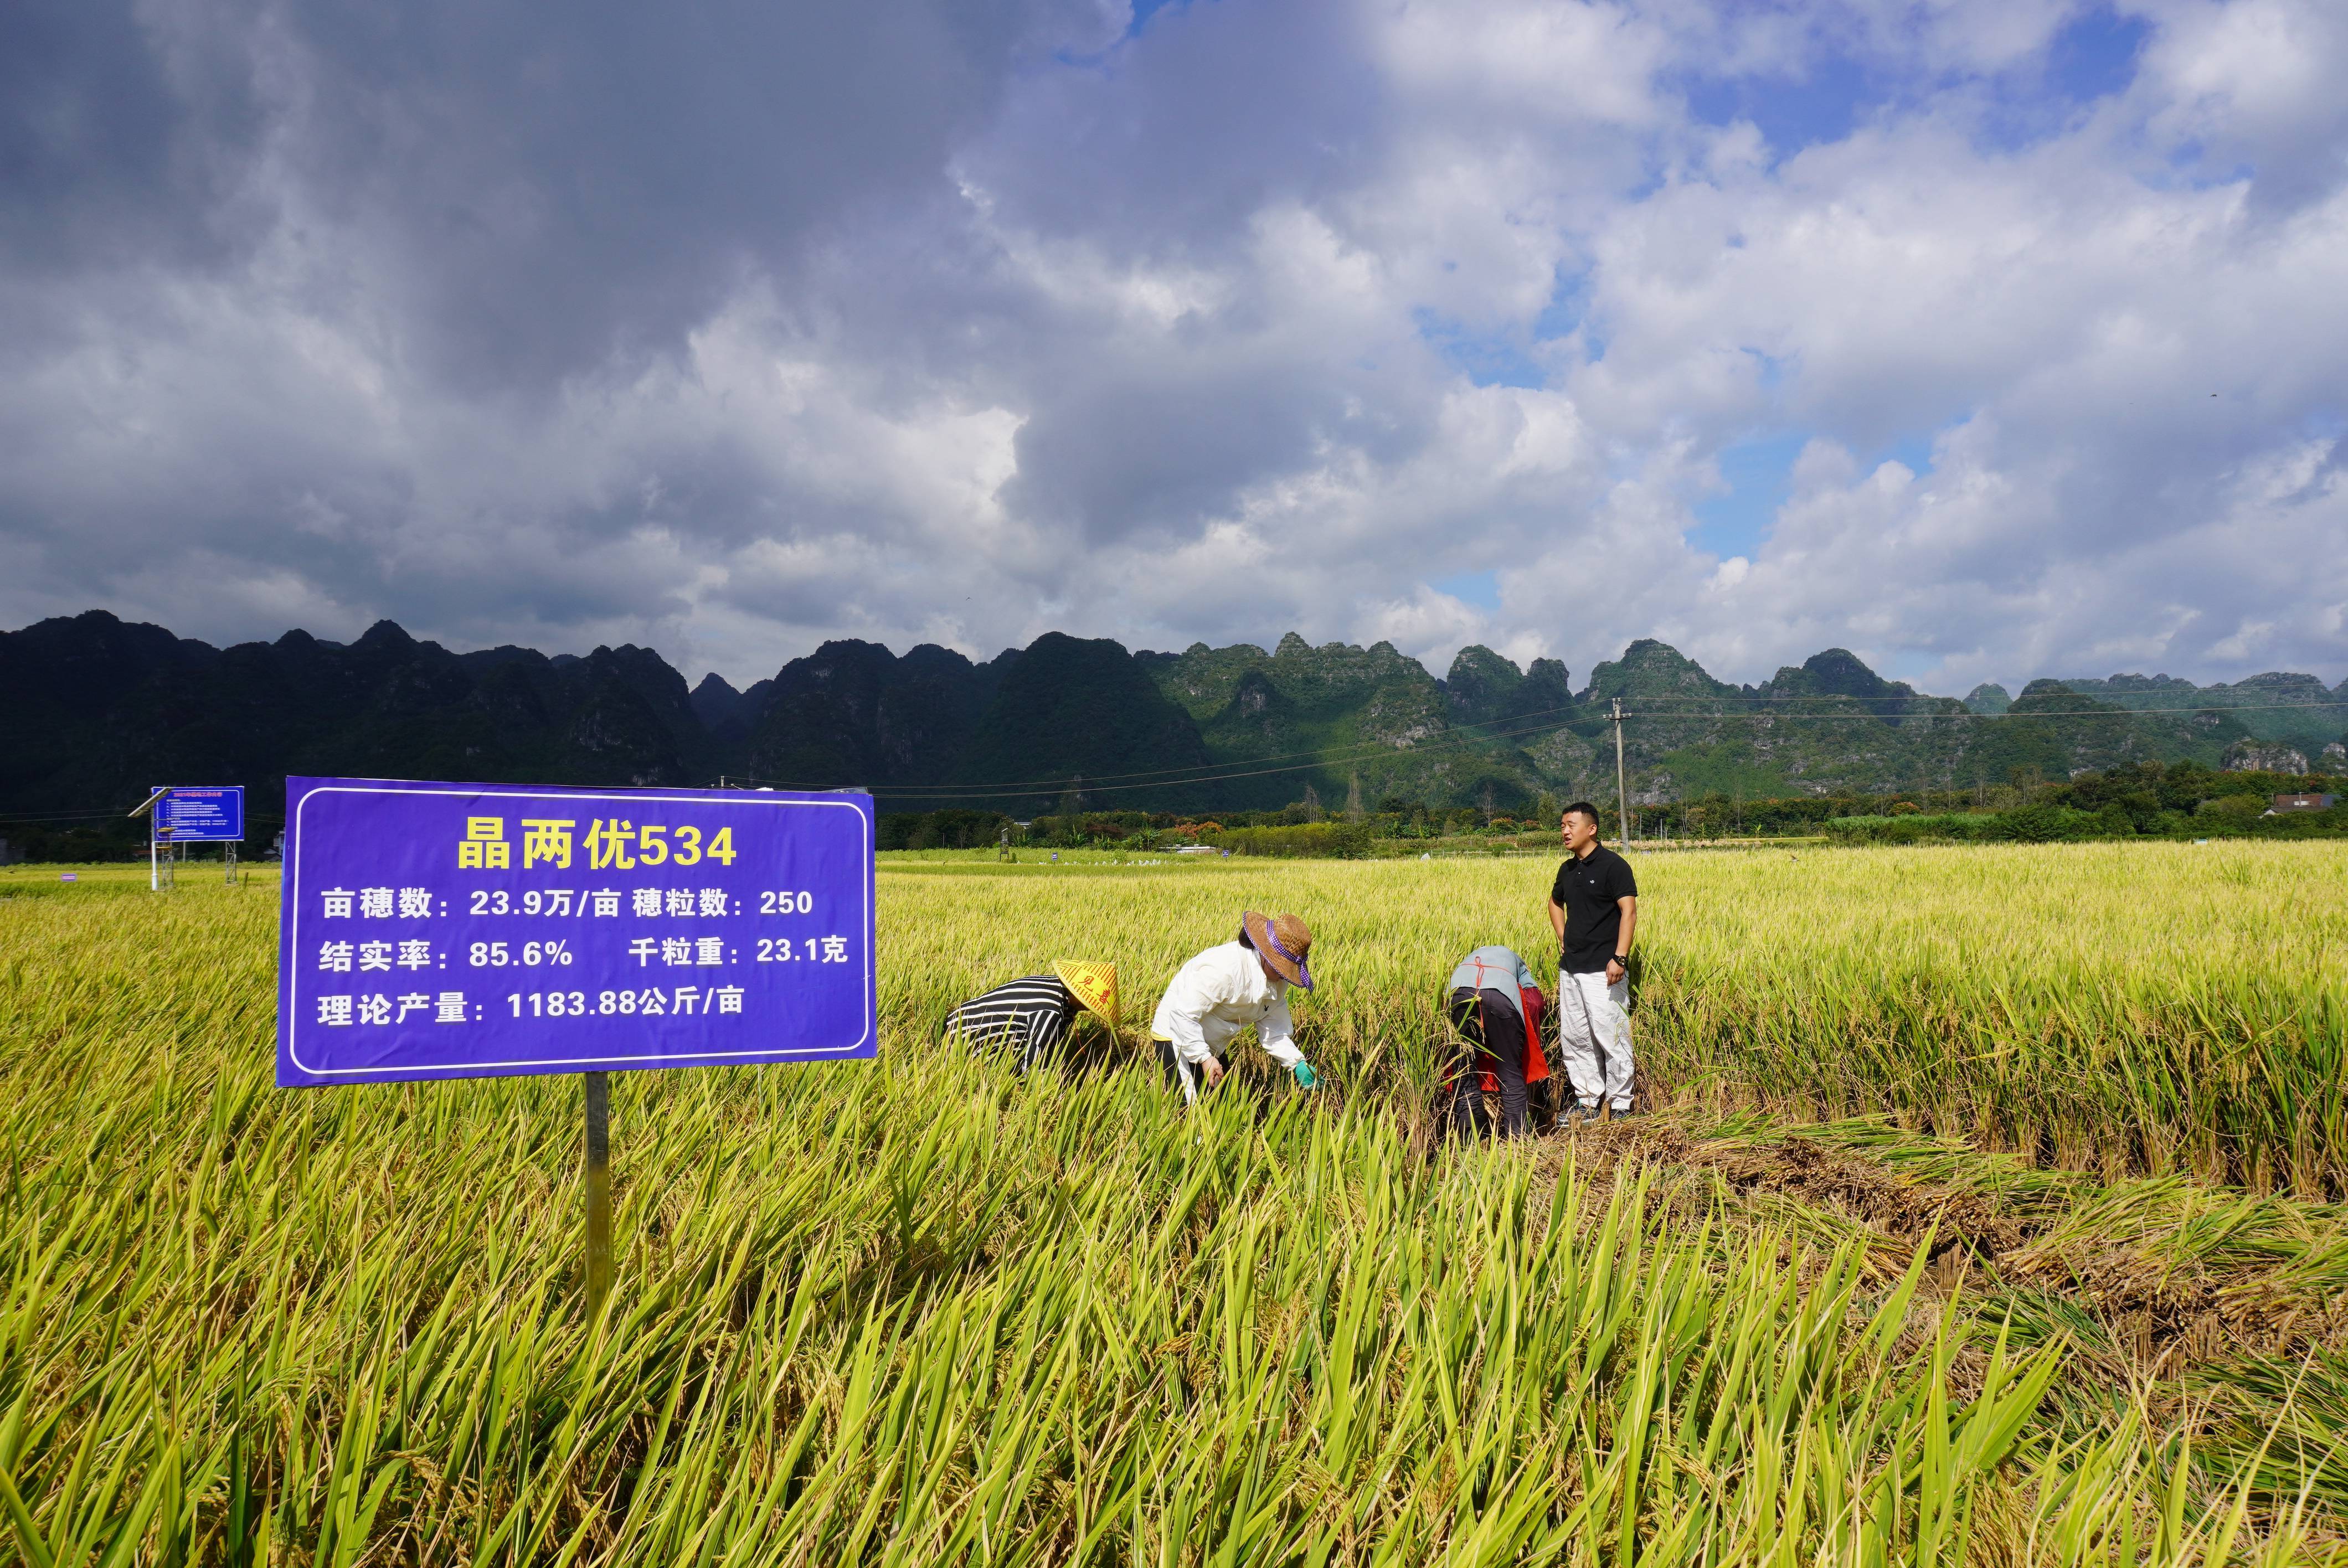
2285, 803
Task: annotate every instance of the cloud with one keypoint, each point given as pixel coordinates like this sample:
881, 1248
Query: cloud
733, 329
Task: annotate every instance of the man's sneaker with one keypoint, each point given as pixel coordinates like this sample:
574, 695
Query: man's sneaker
1615, 1112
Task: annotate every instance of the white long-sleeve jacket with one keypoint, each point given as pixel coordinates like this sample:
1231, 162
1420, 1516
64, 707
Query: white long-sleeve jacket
1218, 993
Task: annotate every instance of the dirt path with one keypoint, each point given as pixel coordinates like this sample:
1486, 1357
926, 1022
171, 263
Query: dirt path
2162, 1308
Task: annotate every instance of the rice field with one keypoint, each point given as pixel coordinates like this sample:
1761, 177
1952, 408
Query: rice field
1989, 1211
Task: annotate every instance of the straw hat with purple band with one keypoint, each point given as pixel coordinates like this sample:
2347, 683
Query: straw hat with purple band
1284, 943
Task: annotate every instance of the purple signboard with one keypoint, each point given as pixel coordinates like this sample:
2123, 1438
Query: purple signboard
440, 931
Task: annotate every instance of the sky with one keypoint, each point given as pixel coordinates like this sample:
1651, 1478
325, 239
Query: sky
1988, 339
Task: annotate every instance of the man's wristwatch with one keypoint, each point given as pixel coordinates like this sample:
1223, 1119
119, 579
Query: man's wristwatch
1623, 960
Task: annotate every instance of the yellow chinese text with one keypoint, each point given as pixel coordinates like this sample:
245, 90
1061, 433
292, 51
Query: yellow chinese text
484, 846
608, 843
547, 839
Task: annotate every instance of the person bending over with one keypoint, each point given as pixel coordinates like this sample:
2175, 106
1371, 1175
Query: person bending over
1231, 987
1496, 1005
1034, 1017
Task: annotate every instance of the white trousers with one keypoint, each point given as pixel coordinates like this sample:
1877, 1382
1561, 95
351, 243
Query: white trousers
1593, 1035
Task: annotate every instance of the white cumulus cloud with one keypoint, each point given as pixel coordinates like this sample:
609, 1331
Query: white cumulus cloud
919, 321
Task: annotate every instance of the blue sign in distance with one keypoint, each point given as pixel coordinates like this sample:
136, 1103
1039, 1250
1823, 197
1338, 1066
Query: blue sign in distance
447, 930
188, 814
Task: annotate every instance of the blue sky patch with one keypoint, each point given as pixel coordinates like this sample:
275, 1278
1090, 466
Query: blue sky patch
2095, 55
1480, 588
1488, 359
1915, 451
2092, 56
1144, 9
1759, 473
1823, 106
1568, 311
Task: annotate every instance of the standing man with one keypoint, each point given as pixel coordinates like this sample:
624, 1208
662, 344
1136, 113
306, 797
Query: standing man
1227, 988
1593, 908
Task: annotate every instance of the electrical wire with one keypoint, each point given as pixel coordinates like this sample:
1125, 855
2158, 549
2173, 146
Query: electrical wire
1159, 776
56, 816
1457, 740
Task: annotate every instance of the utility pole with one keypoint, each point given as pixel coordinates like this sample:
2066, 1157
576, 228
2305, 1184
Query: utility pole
1621, 790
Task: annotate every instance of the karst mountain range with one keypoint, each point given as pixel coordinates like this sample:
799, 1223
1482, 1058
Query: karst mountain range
96, 708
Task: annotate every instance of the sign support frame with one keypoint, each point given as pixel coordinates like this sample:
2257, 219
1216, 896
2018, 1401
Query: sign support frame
146, 808
596, 1176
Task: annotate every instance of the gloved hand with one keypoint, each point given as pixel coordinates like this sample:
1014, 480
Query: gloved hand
1304, 1078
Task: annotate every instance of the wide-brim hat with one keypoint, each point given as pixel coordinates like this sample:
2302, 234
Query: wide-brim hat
1284, 943
1094, 984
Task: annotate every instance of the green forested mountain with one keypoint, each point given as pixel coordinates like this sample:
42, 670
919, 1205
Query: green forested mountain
2294, 711
1492, 731
95, 710
1833, 725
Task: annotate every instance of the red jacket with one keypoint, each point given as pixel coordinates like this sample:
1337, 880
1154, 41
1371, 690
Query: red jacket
1529, 1004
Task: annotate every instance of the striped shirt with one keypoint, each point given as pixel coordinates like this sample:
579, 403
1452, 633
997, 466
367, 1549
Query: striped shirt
1032, 1015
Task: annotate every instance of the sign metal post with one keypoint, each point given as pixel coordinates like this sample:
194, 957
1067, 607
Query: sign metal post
154, 861
445, 931
598, 1191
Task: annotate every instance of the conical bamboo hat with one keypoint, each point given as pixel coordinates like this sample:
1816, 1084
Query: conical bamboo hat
1094, 984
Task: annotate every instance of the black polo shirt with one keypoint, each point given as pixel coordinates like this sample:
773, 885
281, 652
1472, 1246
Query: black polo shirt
1586, 889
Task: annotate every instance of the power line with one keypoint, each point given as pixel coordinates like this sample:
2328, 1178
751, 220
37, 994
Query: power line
1172, 778
1962, 711
58, 815
1968, 714
1165, 779
1459, 737
1168, 774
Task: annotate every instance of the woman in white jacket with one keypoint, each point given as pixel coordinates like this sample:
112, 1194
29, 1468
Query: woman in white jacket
1225, 990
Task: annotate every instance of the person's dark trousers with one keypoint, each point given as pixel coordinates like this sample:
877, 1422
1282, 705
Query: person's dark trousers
1174, 1069
1483, 1016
